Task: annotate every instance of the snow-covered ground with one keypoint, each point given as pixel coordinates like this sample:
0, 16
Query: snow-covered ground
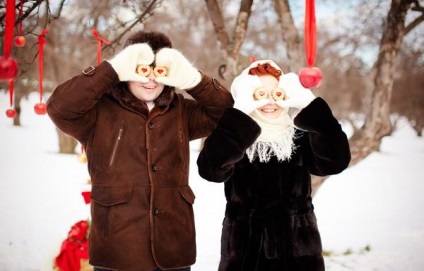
369, 215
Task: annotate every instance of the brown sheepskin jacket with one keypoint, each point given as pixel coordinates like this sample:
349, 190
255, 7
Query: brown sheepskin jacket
269, 221
141, 203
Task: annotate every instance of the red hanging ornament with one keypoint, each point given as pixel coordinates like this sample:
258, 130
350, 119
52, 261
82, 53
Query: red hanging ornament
100, 40
40, 108
310, 76
8, 65
20, 39
11, 112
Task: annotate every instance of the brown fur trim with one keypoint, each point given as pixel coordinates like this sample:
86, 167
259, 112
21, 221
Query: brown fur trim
165, 97
122, 94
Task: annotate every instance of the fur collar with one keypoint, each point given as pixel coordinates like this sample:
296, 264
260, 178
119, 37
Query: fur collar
121, 94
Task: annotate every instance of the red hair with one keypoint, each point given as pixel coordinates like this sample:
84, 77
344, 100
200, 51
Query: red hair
265, 69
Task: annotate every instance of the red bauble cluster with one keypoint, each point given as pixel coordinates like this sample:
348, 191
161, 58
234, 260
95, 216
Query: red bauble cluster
310, 77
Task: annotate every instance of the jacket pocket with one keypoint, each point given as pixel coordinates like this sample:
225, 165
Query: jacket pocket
187, 194
116, 147
304, 235
105, 202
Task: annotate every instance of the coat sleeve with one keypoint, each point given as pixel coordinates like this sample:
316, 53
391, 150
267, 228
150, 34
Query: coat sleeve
211, 99
226, 145
72, 104
328, 144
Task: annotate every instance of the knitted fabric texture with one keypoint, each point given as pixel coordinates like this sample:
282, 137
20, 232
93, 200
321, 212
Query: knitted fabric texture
276, 138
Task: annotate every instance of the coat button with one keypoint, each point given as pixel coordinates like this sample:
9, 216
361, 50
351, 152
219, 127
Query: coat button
155, 211
154, 168
151, 125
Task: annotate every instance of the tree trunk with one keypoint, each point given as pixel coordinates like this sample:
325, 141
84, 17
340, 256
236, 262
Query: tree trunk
291, 37
230, 48
377, 122
67, 144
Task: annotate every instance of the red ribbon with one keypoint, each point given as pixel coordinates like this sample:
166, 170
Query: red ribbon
87, 196
41, 42
21, 12
9, 24
310, 32
100, 40
10, 89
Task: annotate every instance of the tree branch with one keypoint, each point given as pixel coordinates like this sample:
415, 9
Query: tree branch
413, 24
125, 31
217, 19
290, 35
417, 6
59, 11
24, 15
241, 27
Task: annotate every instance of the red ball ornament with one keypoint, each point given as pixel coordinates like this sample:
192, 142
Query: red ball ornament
11, 113
8, 68
20, 41
40, 108
310, 77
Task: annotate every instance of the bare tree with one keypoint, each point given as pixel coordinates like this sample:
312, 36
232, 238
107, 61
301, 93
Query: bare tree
377, 121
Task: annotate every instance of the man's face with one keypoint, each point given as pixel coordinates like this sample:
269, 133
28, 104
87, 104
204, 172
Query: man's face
146, 92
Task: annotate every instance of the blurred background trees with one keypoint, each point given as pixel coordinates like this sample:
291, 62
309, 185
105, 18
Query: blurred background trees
371, 54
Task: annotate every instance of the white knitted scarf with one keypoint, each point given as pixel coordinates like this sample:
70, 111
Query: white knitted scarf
276, 138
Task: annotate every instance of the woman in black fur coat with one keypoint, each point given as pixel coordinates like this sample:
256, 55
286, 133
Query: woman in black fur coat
265, 154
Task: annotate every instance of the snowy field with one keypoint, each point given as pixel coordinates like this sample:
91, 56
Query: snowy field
370, 215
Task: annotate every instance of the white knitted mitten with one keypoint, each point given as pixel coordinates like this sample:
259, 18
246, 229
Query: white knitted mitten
125, 62
296, 95
180, 72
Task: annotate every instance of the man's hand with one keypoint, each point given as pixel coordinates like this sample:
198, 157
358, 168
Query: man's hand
180, 72
125, 62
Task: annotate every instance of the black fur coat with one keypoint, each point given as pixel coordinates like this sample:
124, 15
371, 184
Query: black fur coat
269, 220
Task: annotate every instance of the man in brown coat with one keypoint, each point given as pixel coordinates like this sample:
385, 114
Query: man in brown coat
136, 130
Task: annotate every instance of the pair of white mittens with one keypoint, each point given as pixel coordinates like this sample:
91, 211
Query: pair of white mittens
244, 86
180, 72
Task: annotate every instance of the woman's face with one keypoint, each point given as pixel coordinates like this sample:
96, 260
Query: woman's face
271, 110
146, 92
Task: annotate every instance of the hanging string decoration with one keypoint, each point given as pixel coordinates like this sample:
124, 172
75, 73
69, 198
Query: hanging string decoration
20, 39
40, 108
100, 40
8, 65
11, 112
310, 76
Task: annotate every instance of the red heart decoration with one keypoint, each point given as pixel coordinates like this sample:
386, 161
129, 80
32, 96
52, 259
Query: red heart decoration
279, 93
144, 69
160, 71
